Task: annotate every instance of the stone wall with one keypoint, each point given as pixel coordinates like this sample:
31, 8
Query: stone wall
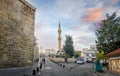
16, 33
36, 52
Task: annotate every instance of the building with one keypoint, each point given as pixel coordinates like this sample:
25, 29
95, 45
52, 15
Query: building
16, 33
36, 50
114, 60
50, 52
89, 54
36, 53
86, 54
59, 39
94, 52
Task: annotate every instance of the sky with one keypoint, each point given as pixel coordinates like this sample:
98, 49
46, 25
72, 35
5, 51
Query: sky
78, 18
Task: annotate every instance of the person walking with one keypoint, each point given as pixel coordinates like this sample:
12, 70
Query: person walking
40, 66
43, 60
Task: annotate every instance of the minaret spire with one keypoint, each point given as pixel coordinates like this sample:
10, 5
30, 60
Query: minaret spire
59, 38
59, 26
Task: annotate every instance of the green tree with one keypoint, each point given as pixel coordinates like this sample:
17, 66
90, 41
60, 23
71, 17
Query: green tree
68, 46
65, 55
101, 55
76, 54
108, 34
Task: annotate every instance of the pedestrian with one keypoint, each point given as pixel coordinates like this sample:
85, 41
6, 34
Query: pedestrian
43, 60
40, 65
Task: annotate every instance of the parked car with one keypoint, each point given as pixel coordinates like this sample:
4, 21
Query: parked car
79, 61
90, 61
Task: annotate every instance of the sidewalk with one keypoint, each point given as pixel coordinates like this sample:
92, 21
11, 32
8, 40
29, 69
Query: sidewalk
106, 73
20, 71
16, 71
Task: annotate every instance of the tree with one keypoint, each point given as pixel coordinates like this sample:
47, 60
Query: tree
68, 46
65, 55
76, 54
108, 35
101, 55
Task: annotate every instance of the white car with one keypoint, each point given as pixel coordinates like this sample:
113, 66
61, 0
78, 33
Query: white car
79, 61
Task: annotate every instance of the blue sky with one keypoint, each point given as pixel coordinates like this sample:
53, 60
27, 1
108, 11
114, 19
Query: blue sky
78, 18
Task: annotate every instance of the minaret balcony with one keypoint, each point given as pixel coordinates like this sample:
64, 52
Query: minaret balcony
59, 31
59, 38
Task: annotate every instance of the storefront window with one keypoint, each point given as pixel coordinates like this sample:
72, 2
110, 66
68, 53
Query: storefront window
119, 65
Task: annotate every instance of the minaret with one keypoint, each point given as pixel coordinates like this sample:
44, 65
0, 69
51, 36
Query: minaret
59, 39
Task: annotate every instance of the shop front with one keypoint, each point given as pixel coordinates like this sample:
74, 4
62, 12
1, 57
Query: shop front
114, 64
114, 60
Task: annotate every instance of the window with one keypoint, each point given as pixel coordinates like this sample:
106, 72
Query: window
93, 54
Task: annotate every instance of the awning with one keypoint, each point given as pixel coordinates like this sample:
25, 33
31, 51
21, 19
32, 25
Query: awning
113, 53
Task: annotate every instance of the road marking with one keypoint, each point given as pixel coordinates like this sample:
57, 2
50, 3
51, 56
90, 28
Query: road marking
47, 67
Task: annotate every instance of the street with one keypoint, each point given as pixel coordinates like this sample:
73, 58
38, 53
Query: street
71, 69
59, 37
53, 69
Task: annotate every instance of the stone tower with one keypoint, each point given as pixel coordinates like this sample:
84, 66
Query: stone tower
59, 38
16, 33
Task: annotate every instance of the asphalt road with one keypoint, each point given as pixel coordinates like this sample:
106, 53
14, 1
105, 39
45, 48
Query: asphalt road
53, 69
71, 69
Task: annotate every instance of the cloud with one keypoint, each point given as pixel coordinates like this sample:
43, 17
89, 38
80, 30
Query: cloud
78, 18
113, 2
94, 14
83, 39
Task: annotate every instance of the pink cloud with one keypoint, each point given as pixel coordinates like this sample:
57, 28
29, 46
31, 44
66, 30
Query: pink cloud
94, 14
112, 2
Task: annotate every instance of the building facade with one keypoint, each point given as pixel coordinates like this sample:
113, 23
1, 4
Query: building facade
50, 52
36, 53
16, 33
94, 52
89, 54
86, 54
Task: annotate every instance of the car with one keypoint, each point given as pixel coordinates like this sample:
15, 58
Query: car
90, 61
79, 61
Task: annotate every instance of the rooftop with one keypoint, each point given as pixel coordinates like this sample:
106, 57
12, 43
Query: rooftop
27, 3
116, 52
